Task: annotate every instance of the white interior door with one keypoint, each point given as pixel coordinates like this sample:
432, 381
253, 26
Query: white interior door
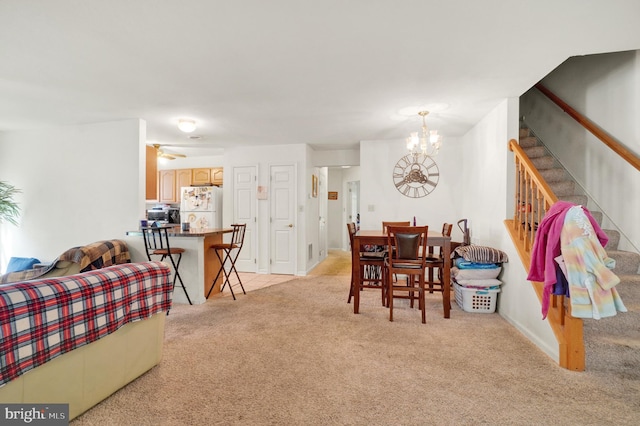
244, 211
283, 231
353, 208
322, 216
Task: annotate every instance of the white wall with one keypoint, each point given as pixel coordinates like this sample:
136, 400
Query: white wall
486, 182
606, 89
80, 184
380, 200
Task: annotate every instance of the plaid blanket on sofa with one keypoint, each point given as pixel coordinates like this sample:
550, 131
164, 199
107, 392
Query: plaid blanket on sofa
43, 319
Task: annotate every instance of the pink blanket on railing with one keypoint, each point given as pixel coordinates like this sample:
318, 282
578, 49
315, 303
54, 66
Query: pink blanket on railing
43, 319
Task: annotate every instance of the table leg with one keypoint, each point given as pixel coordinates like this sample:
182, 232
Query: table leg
355, 271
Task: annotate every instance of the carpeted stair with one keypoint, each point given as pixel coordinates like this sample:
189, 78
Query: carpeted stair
612, 345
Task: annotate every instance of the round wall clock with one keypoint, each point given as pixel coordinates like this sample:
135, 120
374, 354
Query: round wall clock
415, 175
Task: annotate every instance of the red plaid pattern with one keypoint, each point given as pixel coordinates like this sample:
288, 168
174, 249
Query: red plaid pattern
42, 319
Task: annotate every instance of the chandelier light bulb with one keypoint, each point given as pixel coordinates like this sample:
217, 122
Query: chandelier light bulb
426, 142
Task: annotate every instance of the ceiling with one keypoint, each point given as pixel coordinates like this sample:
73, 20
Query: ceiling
328, 73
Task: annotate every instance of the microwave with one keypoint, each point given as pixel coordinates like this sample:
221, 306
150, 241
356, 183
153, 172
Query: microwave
170, 215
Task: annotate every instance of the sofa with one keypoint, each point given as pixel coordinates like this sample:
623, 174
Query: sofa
78, 338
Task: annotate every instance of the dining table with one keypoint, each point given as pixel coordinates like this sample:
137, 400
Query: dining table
379, 237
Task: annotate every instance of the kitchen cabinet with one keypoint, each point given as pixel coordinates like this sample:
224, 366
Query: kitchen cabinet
151, 174
170, 181
167, 186
183, 178
216, 176
201, 176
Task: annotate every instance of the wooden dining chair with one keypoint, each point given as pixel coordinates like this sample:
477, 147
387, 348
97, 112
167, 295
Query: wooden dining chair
371, 268
435, 263
386, 224
407, 256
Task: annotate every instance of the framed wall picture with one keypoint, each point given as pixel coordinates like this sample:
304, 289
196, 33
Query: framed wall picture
314, 186
332, 195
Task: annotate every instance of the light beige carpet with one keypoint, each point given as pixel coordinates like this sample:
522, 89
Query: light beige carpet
295, 354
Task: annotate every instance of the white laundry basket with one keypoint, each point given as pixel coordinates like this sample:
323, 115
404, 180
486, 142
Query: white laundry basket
475, 299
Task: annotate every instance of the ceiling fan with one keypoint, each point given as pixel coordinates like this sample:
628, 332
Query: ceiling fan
168, 155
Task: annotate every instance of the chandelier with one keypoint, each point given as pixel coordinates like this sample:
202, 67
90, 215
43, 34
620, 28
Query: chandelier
426, 142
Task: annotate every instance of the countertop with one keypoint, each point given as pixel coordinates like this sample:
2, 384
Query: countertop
176, 231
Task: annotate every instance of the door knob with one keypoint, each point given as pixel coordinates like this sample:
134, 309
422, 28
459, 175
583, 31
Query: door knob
291, 225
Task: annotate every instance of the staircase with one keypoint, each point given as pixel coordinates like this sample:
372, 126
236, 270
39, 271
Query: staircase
612, 345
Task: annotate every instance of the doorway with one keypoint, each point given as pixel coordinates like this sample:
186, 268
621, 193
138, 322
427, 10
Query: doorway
283, 220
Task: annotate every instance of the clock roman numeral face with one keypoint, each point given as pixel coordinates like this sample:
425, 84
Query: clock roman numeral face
415, 176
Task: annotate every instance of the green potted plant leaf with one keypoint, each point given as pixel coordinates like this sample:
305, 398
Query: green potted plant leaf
9, 209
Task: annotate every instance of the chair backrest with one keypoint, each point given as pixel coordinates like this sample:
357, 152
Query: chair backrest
385, 224
446, 232
408, 243
155, 238
351, 230
237, 237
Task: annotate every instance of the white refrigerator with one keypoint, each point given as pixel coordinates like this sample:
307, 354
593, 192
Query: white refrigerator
201, 206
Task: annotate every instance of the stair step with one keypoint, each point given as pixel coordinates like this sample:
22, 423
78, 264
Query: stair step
614, 236
535, 151
563, 187
597, 215
613, 344
524, 132
553, 175
546, 162
630, 283
575, 199
528, 142
627, 262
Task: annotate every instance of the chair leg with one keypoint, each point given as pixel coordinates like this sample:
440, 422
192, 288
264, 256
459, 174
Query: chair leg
233, 268
226, 275
177, 277
223, 271
390, 296
422, 302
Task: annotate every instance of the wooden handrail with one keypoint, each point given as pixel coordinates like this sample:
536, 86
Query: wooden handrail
545, 189
608, 140
533, 199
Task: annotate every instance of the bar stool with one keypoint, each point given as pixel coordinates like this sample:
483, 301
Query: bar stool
229, 252
156, 243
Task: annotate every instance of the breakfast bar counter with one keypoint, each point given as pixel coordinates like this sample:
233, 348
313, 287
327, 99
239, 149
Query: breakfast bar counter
199, 264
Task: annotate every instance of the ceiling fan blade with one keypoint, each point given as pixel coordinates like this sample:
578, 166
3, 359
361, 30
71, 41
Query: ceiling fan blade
168, 155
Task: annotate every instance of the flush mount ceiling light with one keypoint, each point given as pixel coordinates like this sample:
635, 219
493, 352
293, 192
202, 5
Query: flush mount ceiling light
186, 125
426, 142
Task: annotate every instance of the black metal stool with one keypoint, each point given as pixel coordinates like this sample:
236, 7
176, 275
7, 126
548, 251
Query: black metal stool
229, 252
156, 243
